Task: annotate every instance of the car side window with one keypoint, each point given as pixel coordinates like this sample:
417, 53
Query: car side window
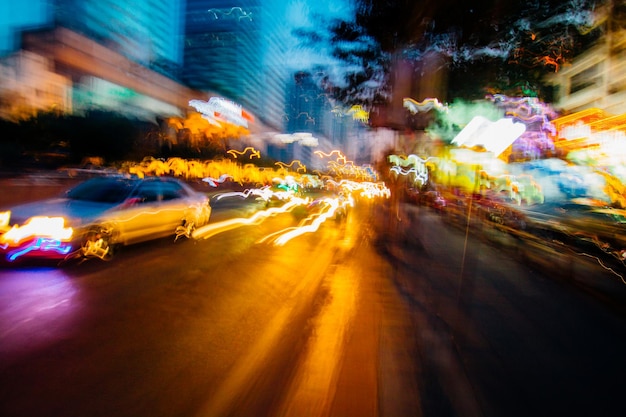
148, 192
172, 191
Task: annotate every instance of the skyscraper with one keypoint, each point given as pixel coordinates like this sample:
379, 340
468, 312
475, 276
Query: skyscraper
236, 49
145, 31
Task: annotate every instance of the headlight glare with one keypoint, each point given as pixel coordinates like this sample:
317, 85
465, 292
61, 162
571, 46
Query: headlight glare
48, 227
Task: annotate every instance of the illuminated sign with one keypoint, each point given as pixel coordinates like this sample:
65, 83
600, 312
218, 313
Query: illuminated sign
219, 109
493, 136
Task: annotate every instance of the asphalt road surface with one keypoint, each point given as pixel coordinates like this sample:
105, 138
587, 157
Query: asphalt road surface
392, 311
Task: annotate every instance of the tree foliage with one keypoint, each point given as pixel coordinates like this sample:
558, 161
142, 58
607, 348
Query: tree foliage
487, 46
53, 139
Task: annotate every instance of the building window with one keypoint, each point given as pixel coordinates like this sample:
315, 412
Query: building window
590, 77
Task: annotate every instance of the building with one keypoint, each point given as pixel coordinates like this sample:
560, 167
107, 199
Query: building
148, 59
28, 85
597, 77
147, 32
241, 50
237, 49
104, 79
114, 55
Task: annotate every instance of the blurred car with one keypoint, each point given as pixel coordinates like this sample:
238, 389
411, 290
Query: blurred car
604, 227
434, 199
412, 195
99, 214
325, 206
506, 215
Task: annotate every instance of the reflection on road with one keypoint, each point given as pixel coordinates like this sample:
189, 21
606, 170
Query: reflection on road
313, 388
36, 306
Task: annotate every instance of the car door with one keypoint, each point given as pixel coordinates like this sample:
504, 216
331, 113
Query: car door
139, 218
173, 206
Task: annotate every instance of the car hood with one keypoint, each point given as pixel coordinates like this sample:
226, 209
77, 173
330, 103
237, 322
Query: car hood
75, 212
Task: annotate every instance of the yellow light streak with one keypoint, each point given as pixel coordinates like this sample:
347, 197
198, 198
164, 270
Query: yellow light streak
297, 162
340, 156
359, 113
253, 152
213, 229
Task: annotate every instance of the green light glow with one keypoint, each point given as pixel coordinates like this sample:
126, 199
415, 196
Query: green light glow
448, 124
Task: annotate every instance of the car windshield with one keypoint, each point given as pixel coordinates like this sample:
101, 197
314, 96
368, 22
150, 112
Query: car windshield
102, 190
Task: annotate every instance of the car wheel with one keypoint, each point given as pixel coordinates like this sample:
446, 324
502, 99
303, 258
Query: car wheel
97, 243
185, 229
341, 214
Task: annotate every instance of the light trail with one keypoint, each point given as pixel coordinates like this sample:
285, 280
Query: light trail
423, 106
213, 229
312, 223
297, 162
42, 244
340, 156
265, 193
214, 181
253, 152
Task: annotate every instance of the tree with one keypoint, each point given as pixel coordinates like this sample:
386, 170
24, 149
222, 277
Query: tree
200, 132
486, 46
101, 133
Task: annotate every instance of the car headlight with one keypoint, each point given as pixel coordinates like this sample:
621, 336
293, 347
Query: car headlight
5, 216
47, 227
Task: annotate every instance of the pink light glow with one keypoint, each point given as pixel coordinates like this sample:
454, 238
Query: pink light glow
36, 307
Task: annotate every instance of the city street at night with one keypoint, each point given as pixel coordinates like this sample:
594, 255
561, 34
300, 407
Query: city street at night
377, 315
297, 208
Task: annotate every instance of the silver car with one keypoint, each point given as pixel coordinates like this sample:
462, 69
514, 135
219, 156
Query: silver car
100, 214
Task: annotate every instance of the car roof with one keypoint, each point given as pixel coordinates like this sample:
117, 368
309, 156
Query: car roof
129, 180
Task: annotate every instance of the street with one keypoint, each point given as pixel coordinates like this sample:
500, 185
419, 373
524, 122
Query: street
390, 312
304, 208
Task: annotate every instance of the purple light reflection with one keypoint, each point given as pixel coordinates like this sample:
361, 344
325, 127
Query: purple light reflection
37, 307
